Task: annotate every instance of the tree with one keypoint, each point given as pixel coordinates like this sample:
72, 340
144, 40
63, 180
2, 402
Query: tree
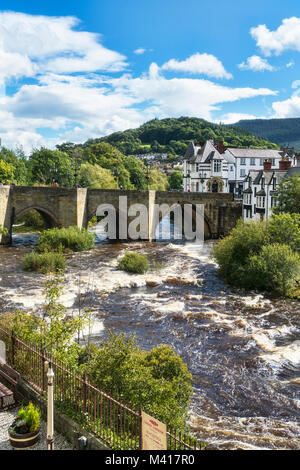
93, 176
288, 196
157, 380
276, 267
51, 166
18, 160
136, 169
158, 180
285, 229
175, 180
6, 172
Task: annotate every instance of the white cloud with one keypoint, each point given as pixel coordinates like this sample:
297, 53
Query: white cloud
231, 118
89, 104
205, 64
257, 64
285, 37
288, 108
181, 96
290, 64
140, 51
51, 44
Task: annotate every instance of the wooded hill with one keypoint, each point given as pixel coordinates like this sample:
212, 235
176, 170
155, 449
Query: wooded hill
285, 132
173, 135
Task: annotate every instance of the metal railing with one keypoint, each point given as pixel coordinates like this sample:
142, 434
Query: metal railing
114, 423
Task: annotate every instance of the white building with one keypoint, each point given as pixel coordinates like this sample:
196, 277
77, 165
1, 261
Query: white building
215, 168
259, 189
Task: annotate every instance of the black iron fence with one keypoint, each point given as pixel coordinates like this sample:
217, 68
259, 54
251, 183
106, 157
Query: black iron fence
108, 419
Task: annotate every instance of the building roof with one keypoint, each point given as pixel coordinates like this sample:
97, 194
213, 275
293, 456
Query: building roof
255, 153
257, 175
294, 171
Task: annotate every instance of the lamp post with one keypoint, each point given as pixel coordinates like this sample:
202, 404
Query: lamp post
50, 410
75, 165
147, 174
116, 174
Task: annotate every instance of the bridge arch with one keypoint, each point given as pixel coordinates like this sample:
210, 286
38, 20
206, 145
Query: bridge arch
48, 216
207, 221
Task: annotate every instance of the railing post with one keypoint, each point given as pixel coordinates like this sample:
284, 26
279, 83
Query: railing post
13, 342
44, 359
140, 429
84, 391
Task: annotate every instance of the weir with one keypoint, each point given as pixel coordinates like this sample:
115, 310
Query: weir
63, 207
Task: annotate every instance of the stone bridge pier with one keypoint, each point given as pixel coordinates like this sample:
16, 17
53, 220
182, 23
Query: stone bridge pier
63, 207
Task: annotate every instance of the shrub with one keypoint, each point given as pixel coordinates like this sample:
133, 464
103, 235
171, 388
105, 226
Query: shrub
134, 263
285, 228
44, 263
66, 239
276, 267
231, 252
158, 380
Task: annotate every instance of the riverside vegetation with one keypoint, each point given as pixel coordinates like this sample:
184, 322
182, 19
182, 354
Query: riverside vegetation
266, 255
158, 380
52, 244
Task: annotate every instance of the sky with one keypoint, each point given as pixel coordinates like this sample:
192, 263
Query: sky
71, 70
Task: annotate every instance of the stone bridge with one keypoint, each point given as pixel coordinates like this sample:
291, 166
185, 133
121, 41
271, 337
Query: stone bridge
64, 207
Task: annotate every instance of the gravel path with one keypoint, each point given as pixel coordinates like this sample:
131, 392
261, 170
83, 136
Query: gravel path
7, 417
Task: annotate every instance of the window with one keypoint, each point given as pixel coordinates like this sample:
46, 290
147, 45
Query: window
243, 161
242, 172
217, 166
231, 167
252, 161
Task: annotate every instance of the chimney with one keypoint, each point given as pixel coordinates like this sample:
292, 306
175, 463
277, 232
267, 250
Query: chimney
211, 139
285, 164
220, 147
267, 165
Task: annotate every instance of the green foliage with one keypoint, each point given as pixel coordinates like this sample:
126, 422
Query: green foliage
288, 196
66, 239
54, 330
231, 252
31, 219
50, 166
18, 160
263, 256
172, 135
281, 131
276, 268
44, 263
158, 380
285, 229
27, 421
175, 180
7, 172
94, 176
134, 263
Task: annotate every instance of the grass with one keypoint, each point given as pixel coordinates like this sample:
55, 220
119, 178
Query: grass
44, 263
66, 240
134, 263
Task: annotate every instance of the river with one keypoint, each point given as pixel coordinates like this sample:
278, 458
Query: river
242, 348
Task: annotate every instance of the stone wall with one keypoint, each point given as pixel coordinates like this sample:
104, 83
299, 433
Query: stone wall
64, 207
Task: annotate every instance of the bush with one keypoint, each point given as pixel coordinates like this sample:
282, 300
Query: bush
158, 380
66, 239
232, 252
276, 267
134, 263
44, 263
285, 228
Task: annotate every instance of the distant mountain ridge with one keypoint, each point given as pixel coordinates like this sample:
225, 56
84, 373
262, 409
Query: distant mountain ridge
285, 132
173, 135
